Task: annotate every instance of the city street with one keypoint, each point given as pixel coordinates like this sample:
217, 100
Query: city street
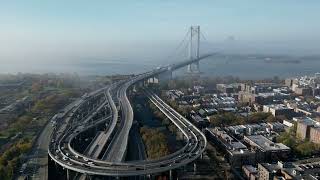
37, 164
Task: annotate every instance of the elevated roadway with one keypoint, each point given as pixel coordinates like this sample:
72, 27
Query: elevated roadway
112, 162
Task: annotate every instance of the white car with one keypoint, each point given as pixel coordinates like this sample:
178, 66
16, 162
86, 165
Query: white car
85, 159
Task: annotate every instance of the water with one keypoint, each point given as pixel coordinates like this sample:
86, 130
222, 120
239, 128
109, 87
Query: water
257, 68
243, 67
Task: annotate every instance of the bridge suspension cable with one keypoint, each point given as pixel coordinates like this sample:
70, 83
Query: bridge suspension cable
178, 48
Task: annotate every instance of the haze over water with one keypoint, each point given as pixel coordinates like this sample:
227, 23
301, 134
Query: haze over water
244, 67
59, 36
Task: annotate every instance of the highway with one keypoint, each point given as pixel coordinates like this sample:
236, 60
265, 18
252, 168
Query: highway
114, 139
118, 148
39, 161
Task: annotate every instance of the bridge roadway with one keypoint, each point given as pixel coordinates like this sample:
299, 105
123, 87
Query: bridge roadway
95, 148
196, 142
118, 148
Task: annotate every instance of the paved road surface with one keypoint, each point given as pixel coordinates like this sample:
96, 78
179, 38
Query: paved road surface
39, 162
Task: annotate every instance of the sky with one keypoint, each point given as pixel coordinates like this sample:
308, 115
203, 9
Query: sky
60, 30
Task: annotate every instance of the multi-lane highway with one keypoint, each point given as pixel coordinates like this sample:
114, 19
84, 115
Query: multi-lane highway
105, 154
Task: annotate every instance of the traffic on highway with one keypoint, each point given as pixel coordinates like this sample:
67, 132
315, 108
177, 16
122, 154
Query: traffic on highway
104, 154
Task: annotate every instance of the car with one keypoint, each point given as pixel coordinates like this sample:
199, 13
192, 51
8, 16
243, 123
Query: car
76, 156
67, 154
65, 158
85, 159
57, 151
69, 163
90, 163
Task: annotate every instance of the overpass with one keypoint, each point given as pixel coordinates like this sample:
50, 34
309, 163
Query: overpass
105, 155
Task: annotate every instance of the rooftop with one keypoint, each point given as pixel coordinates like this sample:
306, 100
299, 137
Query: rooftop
277, 106
265, 144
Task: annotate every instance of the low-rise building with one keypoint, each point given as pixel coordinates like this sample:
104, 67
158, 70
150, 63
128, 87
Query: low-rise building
266, 150
315, 135
174, 94
277, 171
251, 98
250, 172
204, 112
303, 91
304, 125
290, 81
237, 153
276, 126
288, 122
226, 88
279, 110
199, 89
316, 91
199, 121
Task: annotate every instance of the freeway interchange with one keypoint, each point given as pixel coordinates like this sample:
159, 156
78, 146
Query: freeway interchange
104, 155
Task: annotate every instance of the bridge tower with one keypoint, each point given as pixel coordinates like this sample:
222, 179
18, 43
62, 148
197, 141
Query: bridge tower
194, 52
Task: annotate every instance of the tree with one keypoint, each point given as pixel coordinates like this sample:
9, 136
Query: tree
271, 118
305, 148
258, 117
155, 142
226, 119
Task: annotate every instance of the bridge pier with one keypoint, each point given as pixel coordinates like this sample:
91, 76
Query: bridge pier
145, 83
194, 168
153, 80
195, 69
88, 177
68, 174
189, 68
170, 174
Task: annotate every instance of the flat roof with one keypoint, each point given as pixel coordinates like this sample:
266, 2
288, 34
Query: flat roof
277, 106
265, 144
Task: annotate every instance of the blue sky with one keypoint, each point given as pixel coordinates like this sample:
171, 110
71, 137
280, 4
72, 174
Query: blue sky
59, 30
